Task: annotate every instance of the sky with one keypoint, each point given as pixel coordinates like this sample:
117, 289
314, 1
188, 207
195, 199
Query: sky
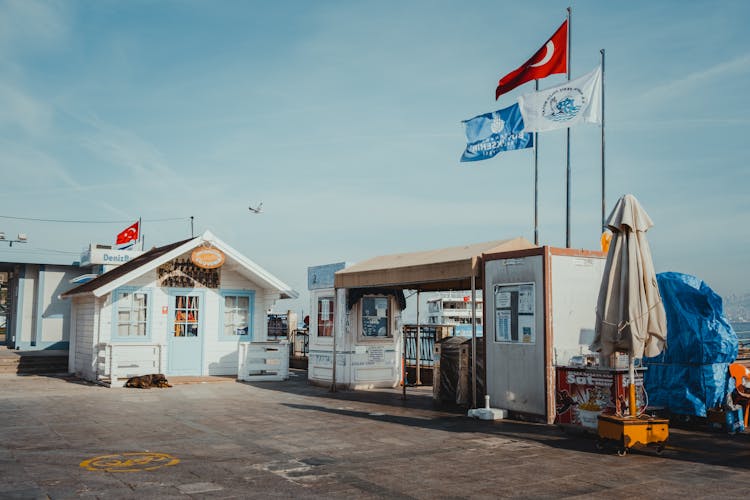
344, 119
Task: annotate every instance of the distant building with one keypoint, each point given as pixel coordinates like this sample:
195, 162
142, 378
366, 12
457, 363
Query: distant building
32, 315
454, 309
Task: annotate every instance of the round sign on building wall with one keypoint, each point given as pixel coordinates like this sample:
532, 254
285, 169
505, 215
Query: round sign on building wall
207, 257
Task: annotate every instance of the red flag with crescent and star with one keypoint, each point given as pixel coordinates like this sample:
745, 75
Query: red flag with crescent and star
129, 234
551, 59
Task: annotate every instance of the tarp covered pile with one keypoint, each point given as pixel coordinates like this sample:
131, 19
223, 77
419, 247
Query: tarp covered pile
690, 375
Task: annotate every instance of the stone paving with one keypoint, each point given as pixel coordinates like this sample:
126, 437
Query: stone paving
293, 440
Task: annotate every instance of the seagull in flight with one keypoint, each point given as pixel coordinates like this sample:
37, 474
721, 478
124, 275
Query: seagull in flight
257, 209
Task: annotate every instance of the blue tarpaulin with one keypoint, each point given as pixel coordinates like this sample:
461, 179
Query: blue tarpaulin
691, 374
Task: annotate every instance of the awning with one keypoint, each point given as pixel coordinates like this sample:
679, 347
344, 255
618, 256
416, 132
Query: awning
432, 270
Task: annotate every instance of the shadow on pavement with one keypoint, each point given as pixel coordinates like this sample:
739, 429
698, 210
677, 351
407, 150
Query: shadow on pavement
691, 446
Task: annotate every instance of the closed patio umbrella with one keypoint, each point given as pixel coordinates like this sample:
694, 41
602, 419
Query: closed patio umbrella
630, 316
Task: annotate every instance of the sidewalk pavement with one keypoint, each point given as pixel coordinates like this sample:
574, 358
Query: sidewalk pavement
64, 438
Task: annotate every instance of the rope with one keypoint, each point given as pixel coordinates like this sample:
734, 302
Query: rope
621, 326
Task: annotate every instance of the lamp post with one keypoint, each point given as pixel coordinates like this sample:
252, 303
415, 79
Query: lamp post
21, 238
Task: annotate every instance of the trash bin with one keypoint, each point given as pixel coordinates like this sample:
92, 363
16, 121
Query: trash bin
452, 373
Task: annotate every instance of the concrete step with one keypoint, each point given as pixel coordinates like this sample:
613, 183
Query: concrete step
29, 363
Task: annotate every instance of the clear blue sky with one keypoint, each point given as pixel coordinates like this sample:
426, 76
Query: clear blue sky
344, 118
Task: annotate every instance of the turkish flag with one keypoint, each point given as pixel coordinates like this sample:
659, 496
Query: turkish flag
551, 59
129, 234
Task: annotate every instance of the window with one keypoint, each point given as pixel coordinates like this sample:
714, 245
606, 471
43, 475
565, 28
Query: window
186, 310
236, 315
237, 318
325, 316
515, 313
376, 316
131, 315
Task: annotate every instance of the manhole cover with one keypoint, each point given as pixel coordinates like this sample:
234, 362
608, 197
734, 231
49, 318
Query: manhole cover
130, 462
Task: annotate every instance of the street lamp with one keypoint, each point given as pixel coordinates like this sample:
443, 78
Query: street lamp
21, 238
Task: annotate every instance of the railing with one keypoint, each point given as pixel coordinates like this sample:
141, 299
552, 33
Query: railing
428, 334
263, 361
300, 344
118, 362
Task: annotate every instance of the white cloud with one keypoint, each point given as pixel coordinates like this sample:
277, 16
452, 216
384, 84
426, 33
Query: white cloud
19, 109
32, 24
676, 88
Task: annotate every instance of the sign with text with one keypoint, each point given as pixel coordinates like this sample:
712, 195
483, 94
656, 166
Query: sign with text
108, 256
207, 257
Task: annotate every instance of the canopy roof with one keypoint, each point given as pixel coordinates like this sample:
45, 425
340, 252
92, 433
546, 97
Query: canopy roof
443, 269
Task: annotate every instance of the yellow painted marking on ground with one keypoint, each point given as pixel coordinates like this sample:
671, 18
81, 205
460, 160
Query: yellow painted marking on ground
130, 462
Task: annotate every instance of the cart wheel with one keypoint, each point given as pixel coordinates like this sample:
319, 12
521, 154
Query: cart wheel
621, 452
659, 448
599, 444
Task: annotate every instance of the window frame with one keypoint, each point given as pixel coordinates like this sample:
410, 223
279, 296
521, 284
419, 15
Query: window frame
250, 294
390, 327
116, 294
332, 298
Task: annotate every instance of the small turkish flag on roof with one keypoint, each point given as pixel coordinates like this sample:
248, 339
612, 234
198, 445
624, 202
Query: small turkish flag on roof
128, 235
551, 59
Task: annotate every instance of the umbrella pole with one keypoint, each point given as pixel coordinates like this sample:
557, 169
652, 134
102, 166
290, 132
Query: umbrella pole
631, 386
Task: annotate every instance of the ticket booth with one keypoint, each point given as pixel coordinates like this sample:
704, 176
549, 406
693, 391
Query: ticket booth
322, 322
365, 346
540, 309
355, 334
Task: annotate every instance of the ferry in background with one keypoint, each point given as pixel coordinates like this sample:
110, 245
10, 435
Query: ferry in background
454, 309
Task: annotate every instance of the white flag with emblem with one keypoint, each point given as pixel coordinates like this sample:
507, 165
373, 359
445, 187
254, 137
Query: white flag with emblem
569, 104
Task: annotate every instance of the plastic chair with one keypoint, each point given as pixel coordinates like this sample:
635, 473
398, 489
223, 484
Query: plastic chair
741, 376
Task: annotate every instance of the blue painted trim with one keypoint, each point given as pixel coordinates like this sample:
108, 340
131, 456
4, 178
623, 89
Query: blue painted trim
56, 315
171, 293
39, 306
18, 330
250, 294
149, 305
41, 346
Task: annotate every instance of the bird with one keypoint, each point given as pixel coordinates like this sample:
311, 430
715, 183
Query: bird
257, 209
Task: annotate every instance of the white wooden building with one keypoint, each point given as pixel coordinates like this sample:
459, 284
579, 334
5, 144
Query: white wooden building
179, 309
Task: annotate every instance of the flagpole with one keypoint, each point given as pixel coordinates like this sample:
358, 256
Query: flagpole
140, 232
536, 178
567, 177
603, 170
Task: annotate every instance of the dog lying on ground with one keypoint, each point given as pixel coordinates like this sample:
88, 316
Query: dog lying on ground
148, 381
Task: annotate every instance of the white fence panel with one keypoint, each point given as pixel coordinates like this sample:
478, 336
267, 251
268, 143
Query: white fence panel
263, 361
119, 362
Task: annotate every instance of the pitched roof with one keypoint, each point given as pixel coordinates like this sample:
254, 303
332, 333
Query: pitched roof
159, 255
123, 269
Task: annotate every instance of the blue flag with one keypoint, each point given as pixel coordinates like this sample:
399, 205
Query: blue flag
492, 133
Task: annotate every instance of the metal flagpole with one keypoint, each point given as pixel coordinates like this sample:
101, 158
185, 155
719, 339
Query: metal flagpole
604, 223
192, 234
474, 335
536, 178
140, 233
567, 178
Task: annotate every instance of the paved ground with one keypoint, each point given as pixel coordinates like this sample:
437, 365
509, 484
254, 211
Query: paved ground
282, 440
